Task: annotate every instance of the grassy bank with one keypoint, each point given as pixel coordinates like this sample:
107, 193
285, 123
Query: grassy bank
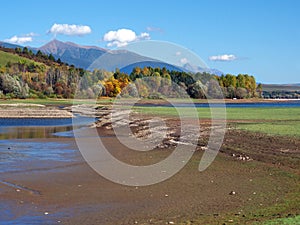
274, 121
266, 114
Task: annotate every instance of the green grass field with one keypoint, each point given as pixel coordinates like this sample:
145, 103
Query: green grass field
273, 121
283, 221
287, 128
12, 58
264, 114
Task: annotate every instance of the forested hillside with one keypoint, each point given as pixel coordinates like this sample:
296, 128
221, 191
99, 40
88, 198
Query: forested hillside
24, 74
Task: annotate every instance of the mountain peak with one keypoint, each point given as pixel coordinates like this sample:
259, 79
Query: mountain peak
56, 46
81, 56
53, 47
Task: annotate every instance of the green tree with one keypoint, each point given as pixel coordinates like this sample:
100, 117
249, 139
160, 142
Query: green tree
51, 58
25, 51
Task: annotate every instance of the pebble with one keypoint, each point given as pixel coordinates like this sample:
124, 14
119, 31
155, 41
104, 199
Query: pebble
46, 213
166, 195
232, 193
18, 190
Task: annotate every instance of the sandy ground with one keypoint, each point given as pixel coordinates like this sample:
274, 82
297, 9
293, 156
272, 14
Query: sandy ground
32, 111
72, 193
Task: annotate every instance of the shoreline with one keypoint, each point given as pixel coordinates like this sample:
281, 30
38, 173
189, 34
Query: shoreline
32, 111
67, 191
44, 111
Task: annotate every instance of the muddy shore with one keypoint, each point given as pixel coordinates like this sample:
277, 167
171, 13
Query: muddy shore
251, 173
72, 193
19, 111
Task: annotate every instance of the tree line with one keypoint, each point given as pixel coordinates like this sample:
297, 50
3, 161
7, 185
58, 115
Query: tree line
43, 76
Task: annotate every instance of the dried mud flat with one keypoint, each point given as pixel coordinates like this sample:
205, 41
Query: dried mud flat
251, 173
19, 111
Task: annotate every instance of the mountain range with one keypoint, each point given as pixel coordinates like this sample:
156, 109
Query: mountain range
93, 57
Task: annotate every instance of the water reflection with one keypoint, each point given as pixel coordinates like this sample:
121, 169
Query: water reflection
29, 128
33, 132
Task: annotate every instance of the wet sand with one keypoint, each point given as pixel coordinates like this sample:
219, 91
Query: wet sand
70, 192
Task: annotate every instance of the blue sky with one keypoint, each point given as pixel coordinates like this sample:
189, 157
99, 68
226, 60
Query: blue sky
261, 38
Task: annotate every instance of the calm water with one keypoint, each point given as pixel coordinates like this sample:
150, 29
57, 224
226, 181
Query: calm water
23, 141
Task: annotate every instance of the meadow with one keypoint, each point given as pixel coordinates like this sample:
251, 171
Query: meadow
273, 121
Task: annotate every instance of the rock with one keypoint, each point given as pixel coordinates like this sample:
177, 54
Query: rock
232, 193
46, 213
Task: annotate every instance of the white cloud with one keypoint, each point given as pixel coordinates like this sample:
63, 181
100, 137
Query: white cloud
154, 29
184, 61
122, 37
224, 57
70, 29
178, 53
31, 34
20, 40
144, 36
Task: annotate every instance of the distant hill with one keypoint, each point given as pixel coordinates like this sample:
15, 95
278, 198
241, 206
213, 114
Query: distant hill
196, 69
118, 59
73, 54
8, 45
281, 87
93, 57
154, 64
